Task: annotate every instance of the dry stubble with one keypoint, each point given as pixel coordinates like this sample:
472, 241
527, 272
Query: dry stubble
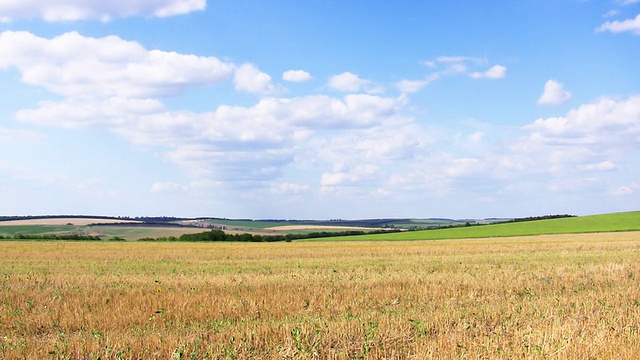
566, 297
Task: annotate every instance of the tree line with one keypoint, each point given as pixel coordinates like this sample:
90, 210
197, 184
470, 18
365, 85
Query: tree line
66, 237
544, 217
219, 235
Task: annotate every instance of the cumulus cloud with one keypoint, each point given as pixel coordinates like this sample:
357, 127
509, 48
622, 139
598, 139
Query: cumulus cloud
554, 94
568, 155
342, 176
495, 72
629, 25
117, 85
349, 82
249, 78
75, 10
79, 66
233, 144
580, 151
589, 138
296, 76
465, 167
76, 113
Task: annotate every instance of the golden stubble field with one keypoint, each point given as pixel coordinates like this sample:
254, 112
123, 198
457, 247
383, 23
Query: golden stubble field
561, 297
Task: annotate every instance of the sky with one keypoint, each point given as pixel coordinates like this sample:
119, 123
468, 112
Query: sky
309, 109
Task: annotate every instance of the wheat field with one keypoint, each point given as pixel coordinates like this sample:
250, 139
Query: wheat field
560, 297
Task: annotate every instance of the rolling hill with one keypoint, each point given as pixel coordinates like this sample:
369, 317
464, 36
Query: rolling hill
624, 221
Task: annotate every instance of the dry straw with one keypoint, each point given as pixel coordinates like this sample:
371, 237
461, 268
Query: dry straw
561, 297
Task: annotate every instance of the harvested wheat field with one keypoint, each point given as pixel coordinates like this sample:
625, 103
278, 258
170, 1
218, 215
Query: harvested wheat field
561, 297
66, 221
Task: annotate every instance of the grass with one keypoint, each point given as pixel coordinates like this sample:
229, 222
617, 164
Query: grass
35, 229
561, 296
625, 221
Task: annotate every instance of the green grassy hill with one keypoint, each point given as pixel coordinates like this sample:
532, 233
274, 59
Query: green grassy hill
625, 221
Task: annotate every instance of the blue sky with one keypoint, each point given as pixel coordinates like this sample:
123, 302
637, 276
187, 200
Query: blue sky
319, 109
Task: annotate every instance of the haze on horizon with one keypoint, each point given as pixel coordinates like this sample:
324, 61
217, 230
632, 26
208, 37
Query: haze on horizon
319, 110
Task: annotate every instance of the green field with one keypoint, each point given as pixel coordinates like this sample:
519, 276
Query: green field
625, 221
36, 229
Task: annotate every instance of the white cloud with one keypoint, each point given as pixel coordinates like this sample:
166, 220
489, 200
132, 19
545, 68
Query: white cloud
347, 82
476, 137
296, 76
74, 113
554, 94
249, 78
411, 86
495, 72
591, 138
237, 145
605, 122
581, 152
465, 167
348, 176
452, 66
75, 10
79, 66
629, 25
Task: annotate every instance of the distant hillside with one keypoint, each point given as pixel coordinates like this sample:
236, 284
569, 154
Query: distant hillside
625, 221
385, 223
439, 228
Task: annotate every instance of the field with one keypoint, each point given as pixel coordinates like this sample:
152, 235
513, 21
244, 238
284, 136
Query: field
135, 230
624, 221
63, 221
548, 296
107, 229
